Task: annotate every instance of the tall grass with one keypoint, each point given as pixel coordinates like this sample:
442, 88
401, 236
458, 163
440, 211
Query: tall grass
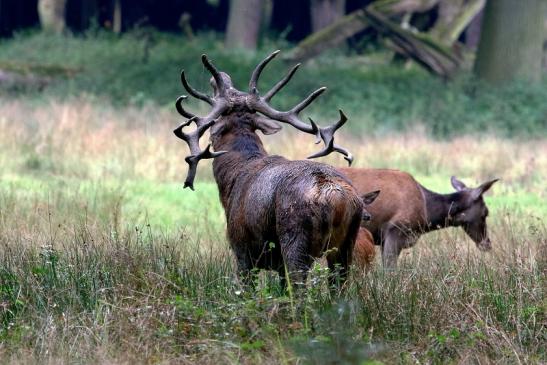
90, 294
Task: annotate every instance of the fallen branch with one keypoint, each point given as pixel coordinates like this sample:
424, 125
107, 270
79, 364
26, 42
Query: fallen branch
429, 53
351, 24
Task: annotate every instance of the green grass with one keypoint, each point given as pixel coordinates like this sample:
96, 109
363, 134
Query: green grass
167, 206
378, 98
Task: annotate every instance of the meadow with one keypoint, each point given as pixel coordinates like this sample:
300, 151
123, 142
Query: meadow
104, 258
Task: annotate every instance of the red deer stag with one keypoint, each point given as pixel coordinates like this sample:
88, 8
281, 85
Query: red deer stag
406, 209
278, 212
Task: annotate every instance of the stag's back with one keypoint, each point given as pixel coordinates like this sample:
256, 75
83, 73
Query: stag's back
305, 195
401, 202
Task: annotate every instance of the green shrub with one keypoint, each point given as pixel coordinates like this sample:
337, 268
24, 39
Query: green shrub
378, 98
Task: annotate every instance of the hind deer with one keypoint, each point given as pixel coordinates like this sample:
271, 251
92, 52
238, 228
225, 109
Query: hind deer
406, 210
279, 213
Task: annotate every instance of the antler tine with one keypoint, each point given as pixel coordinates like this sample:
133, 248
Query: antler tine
196, 154
196, 94
327, 135
270, 94
216, 75
285, 117
304, 103
180, 108
291, 117
332, 147
193, 161
220, 105
258, 70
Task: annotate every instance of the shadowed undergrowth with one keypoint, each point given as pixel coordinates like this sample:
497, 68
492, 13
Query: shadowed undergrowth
385, 98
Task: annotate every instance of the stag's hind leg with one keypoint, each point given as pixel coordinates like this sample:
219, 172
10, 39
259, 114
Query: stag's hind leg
244, 265
343, 256
338, 263
296, 257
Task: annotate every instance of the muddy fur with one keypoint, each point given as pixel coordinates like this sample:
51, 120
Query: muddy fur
281, 213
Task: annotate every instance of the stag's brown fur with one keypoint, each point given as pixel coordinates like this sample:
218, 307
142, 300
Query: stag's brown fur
406, 209
304, 208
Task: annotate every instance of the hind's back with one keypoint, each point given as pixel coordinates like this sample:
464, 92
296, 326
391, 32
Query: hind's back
400, 201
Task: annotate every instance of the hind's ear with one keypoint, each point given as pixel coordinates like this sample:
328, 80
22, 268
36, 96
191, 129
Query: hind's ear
266, 126
477, 192
457, 184
368, 198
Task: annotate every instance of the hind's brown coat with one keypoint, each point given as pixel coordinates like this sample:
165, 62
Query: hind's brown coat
405, 209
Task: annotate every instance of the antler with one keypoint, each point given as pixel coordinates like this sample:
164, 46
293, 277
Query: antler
327, 135
227, 97
220, 105
261, 105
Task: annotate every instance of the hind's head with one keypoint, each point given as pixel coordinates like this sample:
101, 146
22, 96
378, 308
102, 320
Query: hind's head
471, 212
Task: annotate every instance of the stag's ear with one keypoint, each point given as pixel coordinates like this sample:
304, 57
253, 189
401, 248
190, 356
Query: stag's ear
368, 198
477, 192
266, 125
457, 184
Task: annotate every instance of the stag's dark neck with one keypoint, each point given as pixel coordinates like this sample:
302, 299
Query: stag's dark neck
244, 147
440, 208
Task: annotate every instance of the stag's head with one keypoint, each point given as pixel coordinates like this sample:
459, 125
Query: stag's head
234, 112
472, 212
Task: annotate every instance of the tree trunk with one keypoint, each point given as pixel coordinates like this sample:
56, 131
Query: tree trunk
511, 43
545, 39
52, 15
117, 17
244, 23
326, 12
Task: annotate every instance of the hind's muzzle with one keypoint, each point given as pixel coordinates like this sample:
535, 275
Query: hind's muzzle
485, 245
